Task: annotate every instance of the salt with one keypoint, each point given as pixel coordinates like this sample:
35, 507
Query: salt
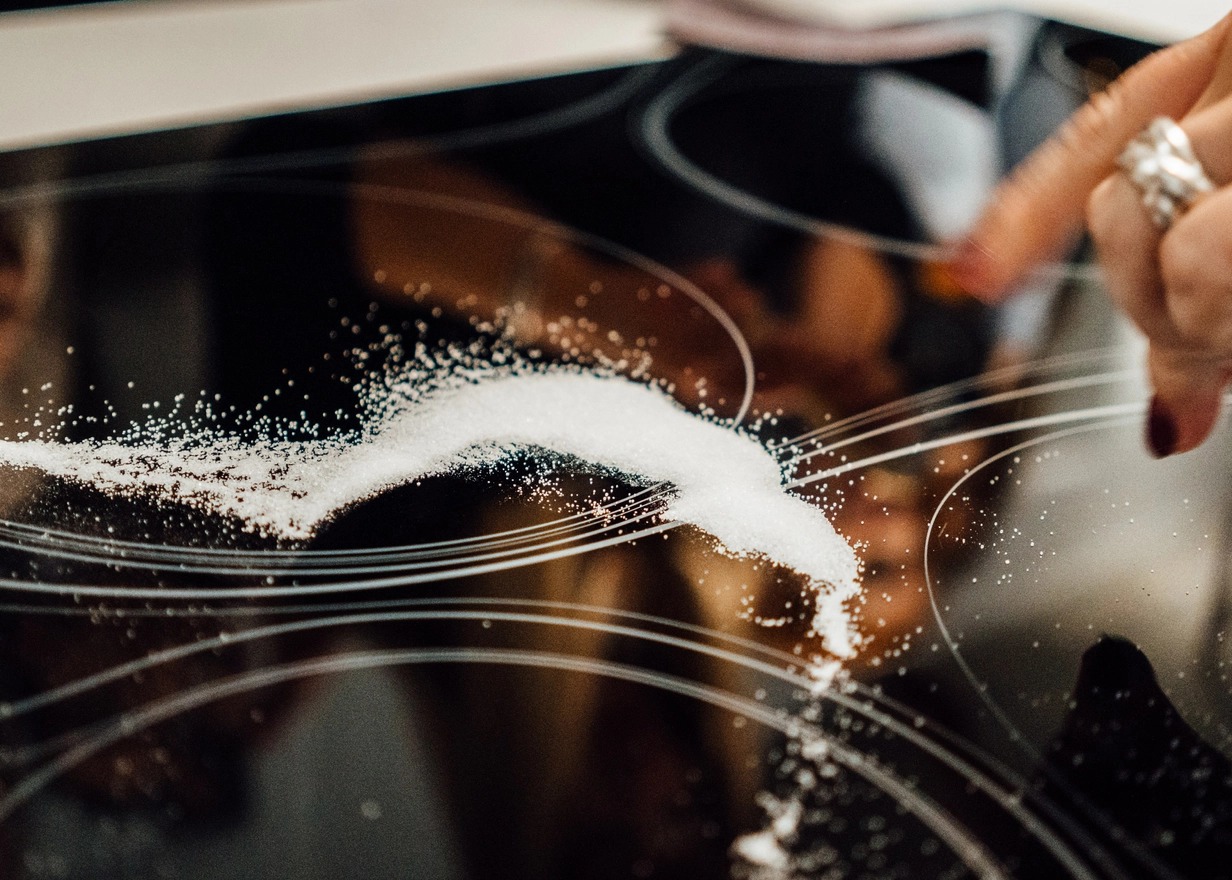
725, 482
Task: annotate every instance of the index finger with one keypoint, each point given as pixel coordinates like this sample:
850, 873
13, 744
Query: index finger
1040, 207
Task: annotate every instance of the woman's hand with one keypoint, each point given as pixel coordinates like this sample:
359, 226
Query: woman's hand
1175, 285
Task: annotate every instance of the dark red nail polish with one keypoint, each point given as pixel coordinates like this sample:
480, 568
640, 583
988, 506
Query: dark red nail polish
1160, 430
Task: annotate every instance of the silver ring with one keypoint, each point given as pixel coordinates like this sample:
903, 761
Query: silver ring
1161, 163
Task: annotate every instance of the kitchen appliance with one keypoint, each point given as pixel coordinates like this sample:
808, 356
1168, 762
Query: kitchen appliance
529, 668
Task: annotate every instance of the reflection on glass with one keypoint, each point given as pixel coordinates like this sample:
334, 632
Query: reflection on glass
453, 488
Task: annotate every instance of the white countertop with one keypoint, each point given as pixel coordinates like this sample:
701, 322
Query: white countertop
88, 71
81, 72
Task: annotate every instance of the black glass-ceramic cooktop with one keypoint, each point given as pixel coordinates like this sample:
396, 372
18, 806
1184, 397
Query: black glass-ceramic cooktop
525, 663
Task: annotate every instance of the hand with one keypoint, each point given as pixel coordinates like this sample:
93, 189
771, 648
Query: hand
1176, 286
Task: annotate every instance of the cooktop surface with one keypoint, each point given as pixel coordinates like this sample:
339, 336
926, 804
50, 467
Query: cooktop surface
593, 476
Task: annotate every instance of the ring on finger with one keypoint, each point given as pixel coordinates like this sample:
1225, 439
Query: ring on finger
1161, 163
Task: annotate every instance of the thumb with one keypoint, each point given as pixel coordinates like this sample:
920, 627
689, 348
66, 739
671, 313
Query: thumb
1188, 397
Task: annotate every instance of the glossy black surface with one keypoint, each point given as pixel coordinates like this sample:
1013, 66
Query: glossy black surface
185, 697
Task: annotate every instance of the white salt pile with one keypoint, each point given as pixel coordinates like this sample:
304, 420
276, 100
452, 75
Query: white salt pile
725, 482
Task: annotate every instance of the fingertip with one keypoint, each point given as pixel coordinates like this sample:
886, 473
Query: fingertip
973, 267
1160, 429
1177, 426
1195, 423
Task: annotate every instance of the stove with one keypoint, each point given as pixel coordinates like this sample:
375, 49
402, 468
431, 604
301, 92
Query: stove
534, 669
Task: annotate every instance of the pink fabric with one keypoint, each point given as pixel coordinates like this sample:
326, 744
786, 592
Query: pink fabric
728, 25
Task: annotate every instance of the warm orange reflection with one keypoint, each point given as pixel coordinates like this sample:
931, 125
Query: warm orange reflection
827, 355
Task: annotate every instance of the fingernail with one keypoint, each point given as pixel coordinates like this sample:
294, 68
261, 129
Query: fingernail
1160, 430
970, 264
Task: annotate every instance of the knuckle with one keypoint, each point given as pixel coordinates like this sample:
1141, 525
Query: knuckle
1091, 122
1117, 221
1175, 264
1101, 216
1199, 298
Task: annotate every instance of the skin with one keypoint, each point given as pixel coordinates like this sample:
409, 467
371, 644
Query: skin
1176, 286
